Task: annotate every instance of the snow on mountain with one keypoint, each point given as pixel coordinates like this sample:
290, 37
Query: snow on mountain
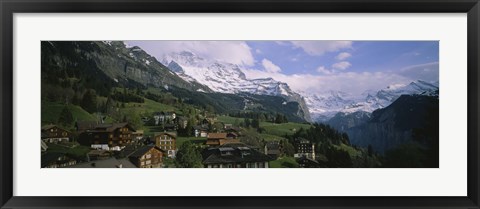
228, 78
221, 76
324, 106
225, 77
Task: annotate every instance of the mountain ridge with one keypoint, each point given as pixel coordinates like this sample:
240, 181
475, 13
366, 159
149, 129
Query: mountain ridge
325, 106
226, 77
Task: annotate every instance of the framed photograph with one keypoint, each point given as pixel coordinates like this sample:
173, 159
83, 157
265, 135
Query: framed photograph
266, 104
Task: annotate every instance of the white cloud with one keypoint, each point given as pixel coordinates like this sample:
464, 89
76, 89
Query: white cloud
343, 56
342, 81
270, 67
324, 70
427, 72
236, 52
341, 65
317, 48
354, 83
258, 51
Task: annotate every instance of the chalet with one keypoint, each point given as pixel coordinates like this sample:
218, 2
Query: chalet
234, 155
304, 147
235, 130
137, 135
81, 126
55, 134
200, 131
98, 155
232, 135
105, 163
182, 122
274, 149
213, 139
147, 157
166, 141
227, 126
305, 162
219, 139
107, 136
159, 118
56, 160
203, 133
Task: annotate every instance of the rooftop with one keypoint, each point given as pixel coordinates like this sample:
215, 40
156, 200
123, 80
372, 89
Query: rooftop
233, 153
107, 163
143, 150
217, 135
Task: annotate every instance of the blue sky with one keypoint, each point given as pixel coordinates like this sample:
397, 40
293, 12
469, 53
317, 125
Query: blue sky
350, 66
362, 56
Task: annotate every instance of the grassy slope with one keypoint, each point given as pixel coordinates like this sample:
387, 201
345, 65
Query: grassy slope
284, 162
51, 112
351, 151
149, 106
228, 119
196, 140
283, 128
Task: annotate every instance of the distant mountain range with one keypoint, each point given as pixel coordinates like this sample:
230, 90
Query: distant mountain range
326, 105
396, 124
228, 78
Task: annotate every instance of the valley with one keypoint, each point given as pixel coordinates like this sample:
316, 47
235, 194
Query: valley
120, 101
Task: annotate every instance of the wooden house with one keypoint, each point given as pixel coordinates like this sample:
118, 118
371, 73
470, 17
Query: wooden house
138, 135
56, 160
305, 162
148, 156
213, 139
111, 162
219, 139
234, 155
304, 148
273, 149
82, 126
182, 122
55, 134
107, 136
167, 142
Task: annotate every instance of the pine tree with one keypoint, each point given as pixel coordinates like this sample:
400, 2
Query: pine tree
247, 123
89, 101
66, 117
255, 123
188, 156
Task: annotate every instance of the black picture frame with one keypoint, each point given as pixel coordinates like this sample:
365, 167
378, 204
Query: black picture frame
10, 7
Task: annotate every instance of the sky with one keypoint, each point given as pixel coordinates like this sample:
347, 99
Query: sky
318, 66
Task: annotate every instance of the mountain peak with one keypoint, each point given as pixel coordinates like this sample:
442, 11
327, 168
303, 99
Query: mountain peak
326, 105
187, 53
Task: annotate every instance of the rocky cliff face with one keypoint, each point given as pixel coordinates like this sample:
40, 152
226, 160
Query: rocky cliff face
395, 124
345, 121
120, 63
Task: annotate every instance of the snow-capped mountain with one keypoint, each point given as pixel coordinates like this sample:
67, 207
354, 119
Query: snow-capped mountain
324, 106
221, 76
226, 77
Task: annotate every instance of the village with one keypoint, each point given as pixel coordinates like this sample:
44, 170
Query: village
96, 144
